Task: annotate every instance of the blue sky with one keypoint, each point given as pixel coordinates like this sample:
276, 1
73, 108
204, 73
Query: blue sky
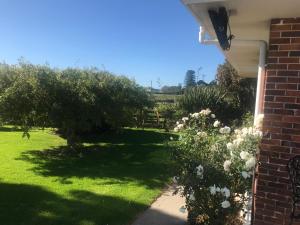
142, 39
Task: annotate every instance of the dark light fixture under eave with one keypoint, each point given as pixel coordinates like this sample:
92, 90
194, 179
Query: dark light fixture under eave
220, 21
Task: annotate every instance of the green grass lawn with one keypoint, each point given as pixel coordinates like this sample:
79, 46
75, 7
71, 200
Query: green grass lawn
109, 182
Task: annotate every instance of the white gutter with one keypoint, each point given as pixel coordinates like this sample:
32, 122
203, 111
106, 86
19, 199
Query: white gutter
261, 65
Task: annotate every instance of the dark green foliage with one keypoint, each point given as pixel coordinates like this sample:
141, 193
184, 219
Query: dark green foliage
244, 89
229, 96
169, 113
24, 99
227, 76
73, 100
201, 83
190, 79
215, 98
213, 82
247, 94
171, 89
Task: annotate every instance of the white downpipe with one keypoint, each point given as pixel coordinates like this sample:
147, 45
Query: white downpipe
260, 78
261, 65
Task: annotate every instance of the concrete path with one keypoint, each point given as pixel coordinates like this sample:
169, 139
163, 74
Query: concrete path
164, 211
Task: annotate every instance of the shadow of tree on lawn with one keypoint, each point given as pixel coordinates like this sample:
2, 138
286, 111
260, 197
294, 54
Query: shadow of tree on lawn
10, 129
22, 204
127, 136
147, 164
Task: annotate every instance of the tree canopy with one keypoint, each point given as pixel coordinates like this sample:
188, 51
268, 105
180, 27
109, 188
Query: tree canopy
72, 100
190, 79
243, 89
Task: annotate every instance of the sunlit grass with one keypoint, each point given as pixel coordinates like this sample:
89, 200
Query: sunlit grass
111, 180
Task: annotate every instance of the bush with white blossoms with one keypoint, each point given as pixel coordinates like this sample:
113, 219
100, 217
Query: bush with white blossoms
215, 166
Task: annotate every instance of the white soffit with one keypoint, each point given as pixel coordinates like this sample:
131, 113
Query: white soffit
249, 20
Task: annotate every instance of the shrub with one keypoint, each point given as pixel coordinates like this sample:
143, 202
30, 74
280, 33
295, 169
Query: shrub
224, 105
73, 100
169, 112
214, 167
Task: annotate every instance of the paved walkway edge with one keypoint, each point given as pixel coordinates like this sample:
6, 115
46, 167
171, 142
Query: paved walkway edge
165, 210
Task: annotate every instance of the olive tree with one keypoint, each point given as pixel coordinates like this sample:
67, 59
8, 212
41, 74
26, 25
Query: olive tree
72, 100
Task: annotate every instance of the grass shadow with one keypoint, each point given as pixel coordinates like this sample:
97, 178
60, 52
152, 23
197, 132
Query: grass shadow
10, 129
148, 163
22, 204
127, 136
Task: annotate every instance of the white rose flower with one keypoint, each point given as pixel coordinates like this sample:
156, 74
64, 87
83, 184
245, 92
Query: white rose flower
245, 175
225, 204
213, 116
199, 171
176, 129
250, 163
195, 115
205, 112
238, 141
225, 130
237, 131
192, 197
226, 192
244, 131
177, 123
217, 123
251, 130
184, 119
227, 165
229, 146
247, 194
202, 134
244, 155
218, 189
171, 138
213, 190
180, 126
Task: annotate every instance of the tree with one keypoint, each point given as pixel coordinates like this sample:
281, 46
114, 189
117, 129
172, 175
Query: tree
171, 89
227, 76
243, 89
190, 79
201, 83
72, 100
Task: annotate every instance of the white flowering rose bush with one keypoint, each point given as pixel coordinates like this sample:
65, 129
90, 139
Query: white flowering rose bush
214, 165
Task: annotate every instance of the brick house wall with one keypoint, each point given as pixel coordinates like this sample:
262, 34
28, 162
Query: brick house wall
281, 125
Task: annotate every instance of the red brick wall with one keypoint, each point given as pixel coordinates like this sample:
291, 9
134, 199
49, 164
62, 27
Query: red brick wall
281, 124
